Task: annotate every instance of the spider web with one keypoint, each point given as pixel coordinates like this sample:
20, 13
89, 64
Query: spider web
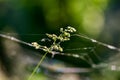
85, 56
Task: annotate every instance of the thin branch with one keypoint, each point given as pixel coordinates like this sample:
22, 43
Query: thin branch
98, 42
65, 54
16, 40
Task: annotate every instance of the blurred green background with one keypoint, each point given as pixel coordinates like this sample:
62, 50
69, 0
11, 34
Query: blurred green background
41, 16
98, 19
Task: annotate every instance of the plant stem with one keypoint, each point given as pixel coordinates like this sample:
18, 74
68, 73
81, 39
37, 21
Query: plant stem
37, 66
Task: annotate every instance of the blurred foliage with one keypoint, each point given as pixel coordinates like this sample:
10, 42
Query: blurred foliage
107, 75
48, 15
38, 77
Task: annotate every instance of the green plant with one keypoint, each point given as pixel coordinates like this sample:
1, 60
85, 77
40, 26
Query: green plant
65, 35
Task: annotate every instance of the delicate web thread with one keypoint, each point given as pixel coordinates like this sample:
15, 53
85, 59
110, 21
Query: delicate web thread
95, 41
53, 53
78, 35
89, 60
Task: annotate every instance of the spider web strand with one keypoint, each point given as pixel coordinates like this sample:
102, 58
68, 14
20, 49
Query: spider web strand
95, 41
